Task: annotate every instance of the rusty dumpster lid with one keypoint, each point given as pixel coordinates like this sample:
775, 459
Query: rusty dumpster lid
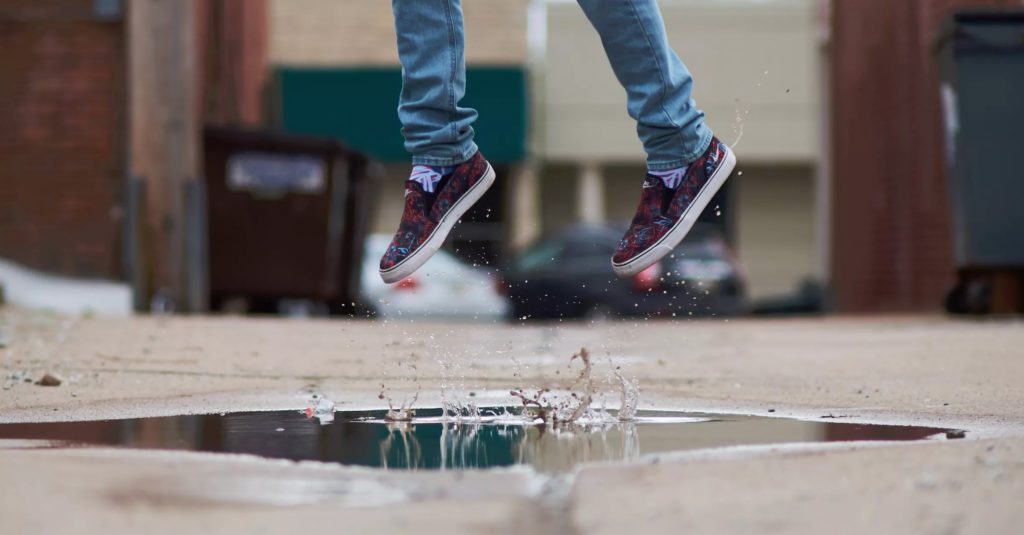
276, 140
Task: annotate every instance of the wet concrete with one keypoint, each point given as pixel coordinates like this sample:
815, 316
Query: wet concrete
928, 371
363, 438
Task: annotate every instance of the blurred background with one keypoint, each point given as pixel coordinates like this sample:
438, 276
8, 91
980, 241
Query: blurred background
245, 156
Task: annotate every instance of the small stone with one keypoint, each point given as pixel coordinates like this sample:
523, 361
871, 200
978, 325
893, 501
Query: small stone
50, 379
771, 410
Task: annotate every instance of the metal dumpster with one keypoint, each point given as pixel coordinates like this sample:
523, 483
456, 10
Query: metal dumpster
287, 217
981, 58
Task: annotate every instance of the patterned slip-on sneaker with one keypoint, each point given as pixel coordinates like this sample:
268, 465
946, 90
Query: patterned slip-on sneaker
665, 216
429, 217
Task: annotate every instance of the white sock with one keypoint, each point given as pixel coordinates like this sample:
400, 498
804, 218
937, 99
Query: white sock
671, 177
428, 175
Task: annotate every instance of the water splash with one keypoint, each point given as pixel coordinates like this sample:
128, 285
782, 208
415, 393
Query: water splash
321, 408
737, 125
629, 397
586, 379
574, 405
406, 372
405, 412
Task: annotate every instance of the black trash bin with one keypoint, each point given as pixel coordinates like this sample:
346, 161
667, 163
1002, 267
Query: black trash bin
981, 58
287, 218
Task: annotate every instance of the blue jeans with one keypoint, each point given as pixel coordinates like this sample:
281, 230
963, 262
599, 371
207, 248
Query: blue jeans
438, 131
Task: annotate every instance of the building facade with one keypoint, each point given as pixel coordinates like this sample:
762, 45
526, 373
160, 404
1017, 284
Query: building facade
106, 100
584, 161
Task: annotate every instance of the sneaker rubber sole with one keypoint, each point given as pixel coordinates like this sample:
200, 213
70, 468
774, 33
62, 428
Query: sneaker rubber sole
433, 242
671, 239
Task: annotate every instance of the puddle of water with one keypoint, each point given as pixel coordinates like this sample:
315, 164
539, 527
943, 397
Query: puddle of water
430, 442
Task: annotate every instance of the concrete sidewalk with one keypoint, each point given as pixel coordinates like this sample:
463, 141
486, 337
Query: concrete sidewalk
931, 371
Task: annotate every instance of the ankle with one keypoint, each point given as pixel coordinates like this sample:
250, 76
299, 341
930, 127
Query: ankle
672, 178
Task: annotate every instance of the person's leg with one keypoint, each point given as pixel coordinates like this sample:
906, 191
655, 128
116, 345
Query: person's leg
449, 174
431, 47
686, 164
657, 83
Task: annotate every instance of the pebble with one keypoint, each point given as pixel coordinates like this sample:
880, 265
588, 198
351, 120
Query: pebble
50, 379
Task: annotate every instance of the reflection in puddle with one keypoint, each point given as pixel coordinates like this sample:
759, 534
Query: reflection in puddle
555, 450
363, 438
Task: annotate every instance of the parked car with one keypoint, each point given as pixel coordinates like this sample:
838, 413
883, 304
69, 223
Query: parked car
570, 276
445, 287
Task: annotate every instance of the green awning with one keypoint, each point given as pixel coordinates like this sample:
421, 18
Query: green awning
359, 106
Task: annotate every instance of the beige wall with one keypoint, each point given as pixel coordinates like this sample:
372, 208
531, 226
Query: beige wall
754, 64
775, 236
361, 32
558, 197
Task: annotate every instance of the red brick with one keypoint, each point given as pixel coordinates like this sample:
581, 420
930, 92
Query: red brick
62, 94
892, 243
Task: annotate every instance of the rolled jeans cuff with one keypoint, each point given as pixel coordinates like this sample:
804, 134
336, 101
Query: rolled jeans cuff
463, 156
686, 159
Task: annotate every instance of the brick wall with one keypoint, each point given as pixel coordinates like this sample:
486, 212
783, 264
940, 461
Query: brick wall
61, 142
233, 39
892, 241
